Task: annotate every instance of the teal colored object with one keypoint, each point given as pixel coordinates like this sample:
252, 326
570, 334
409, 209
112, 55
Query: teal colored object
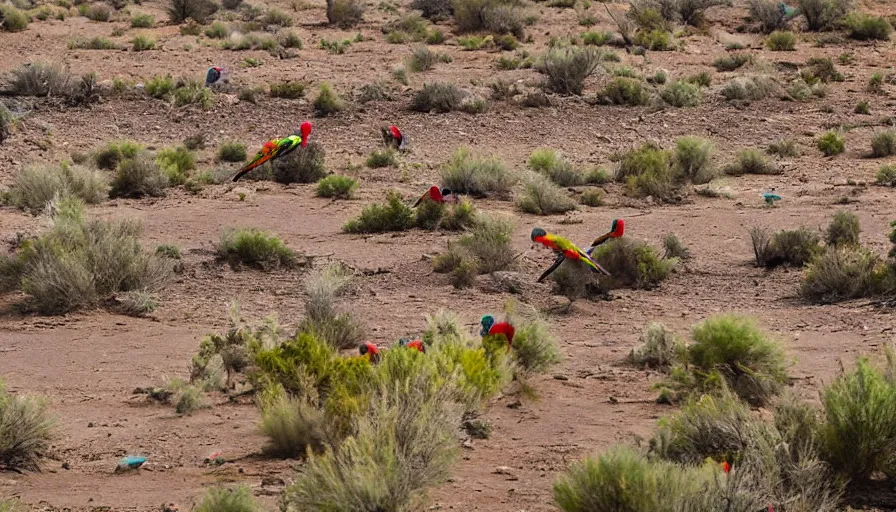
129, 463
770, 198
786, 10
487, 322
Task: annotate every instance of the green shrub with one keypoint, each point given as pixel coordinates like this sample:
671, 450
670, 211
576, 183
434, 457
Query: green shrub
781, 41
702, 79
886, 175
460, 217
277, 18
293, 426
176, 164
647, 172
78, 263
883, 144
820, 69
567, 68
794, 247
491, 16
844, 229
138, 177
217, 30
422, 59
198, 10
831, 143
291, 40
753, 88
865, 27
823, 14
784, 148
221, 499
624, 91
344, 13
859, 432
438, 97
863, 108
486, 247
379, 158
731, 350
231, 152
142, 43
632, 264
97, 43
322, 318
193, 92
339, 187
26, 430
843, 273
552, 164
693, 159
37, 185
377, 218
433, 9
876, 83
768, 15
732, 62
654, 40
539, 196
160, 86
659, 347
681, 94
327, 101
592, 197
98, 12
751, 161
476, 174
6, 121
304, 165
254, 248
41, 79
12, 19
289, 90
596, 38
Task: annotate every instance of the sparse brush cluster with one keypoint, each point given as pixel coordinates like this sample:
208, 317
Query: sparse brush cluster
26, 433
484, 249
652, 171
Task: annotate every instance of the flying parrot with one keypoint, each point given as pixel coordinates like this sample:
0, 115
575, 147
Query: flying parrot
565, 249
392, 136
129, 463
415, 345
215, 75
439, 195
370, 351
276, 148
490, 328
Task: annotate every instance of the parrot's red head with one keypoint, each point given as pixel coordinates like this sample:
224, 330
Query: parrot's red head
369, 350
395, 132
618, 228
435, 193
305, 130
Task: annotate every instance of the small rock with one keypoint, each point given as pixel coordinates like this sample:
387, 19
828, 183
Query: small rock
561, 377
502, 470
65, 465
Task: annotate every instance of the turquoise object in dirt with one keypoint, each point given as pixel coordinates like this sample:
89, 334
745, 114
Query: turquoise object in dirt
770, 198
129, 463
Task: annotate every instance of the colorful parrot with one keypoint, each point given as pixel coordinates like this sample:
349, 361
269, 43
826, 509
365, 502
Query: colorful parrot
215, 75
564, 248
617, 229
276, 148
416, 344
392, 136
490, 328
370, 351
129, 463
439, 195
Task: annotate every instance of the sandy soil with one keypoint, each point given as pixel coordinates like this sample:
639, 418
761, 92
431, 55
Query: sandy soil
88, 363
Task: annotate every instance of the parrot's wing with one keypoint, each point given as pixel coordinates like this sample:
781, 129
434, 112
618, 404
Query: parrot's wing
591, 263
271, 150
259, 158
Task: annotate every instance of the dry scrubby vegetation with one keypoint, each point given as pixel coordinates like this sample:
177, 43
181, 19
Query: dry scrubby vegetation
484, 249
652, 171
26, 431
254, 248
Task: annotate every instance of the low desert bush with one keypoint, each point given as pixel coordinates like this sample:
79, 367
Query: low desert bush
437, 97
787, 247
12, 19
779, 41
303, 165
179, 11
293, 426
222, 499
886, 175
97, 43
844, 273
142, 20
831, 143
820, 69
752, 88
254, 248
323, 318
231, 152
137, 177
337, 186
568, 67
732, 62
883, 144
659, 347
395, 215
327, 101
538, 195
768, 15
379, 158
844, 229
486, 247
784, 148
467, 172
344, 13
692, 159
592, 197
288, 90
433, 9
681, 94
647, 171
624, 91
674, 248
751, 161
98, 12
142, 43
491, 16
553, 165
632, 264
865, 27
176, 164
26, 430
823, 14
37, 185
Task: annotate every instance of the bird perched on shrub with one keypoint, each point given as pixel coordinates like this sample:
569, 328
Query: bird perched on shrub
564, 248
216, 75
277, 148
617, 229
439, 195
370, 351
393, 137
415, 345
490, 328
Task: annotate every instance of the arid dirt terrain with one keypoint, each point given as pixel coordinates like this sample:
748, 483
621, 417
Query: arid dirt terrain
88, 363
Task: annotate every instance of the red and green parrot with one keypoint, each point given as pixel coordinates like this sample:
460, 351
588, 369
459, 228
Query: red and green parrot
565, 249
276, 148
414, 345
490, 328
392, 136
439, 195
370, 351
616, 230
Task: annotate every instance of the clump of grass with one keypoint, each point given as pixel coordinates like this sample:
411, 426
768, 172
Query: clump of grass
276, 18
293, 426
193, 92
659, 347
886, 175
540, 196
831, 143
26, 430
138, 177
876, 83
567, 68
732, 62
779, 41
433, 9
188, 399
231, 152
843, 273
624, 91
289, 90
395, 215
291, 40
592, 197
794, 247
681, 94
883, 144
702, 79
768, 15
485, 248
37, 185
674, 248
327, 101
476, 174
97, 43
655, 40
844, 229
98, 12
176, 163
344, 13
534, 347
823, 14
596, 38
784, 148
41, 80
322, 317
863, 108
137, 303
864, 27
422, 59
552, 164
160, 86
647, 171
336, 186
254, 248
438, 97
179, 11
12, 19
693, 159
78, 263
751, 161
489, 16
221, 499
304, 165
379, 158
753, 88
142, 43
820, 69
632, 264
